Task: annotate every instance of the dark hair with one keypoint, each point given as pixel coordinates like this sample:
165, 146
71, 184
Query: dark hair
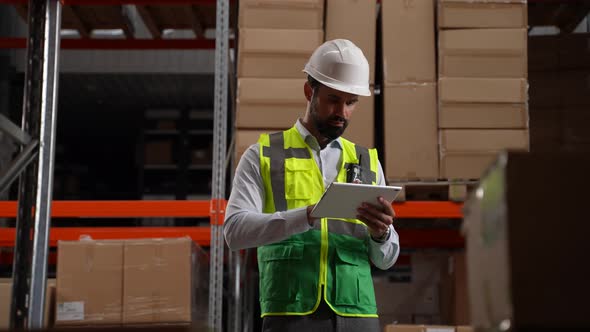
315, 84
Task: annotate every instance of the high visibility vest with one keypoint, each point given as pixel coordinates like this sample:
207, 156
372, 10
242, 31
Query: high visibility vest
333, 256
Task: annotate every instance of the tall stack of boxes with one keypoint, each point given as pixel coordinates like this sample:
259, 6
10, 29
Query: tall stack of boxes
356, 21
276, 38
482, 67
409, 112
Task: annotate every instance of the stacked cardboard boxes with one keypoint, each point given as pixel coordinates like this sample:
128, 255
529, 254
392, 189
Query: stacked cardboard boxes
410, 294
356, 21
409, 112
131, 282
276, 38
423, 288
482, 67
559, 69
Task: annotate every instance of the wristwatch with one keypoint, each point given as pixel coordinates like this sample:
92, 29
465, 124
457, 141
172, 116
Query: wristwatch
383, 237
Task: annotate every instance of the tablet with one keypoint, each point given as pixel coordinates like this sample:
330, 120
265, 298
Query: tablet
341, 200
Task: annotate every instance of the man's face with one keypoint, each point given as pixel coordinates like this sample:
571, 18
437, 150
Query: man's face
330, 111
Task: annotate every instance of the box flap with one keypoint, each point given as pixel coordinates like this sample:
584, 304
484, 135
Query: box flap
271, 91
483, 140
280, 41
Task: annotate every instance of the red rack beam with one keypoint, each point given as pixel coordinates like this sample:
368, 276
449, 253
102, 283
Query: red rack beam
121, 44
430, 238
180, 209
410, 238
428, 209
119, 209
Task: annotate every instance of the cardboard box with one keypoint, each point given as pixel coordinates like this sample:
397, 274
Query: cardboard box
482, 140
356, 21
482, 116
419, 328
416, 296
276, 117
245, 138
89, 283
361, 127
269, 103
482, 90
408, 41
271, 91
276, 53
482, 14
506, 269
158, 281
6, 302
281, 14
466, 153
465, 165
410, 132
465, 329
483, 53
455, 304
391, 319
158, 152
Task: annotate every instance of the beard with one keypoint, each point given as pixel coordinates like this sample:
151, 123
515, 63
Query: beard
324, 127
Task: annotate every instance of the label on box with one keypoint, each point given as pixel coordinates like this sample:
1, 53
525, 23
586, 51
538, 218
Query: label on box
70, 311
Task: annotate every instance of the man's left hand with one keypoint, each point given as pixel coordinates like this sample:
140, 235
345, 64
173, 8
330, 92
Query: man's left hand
377, 218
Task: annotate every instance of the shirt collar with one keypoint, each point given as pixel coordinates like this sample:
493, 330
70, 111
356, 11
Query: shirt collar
306, 135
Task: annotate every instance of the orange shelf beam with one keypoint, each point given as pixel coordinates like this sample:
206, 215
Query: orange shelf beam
180, 209
201, 235
428, 209
119, 209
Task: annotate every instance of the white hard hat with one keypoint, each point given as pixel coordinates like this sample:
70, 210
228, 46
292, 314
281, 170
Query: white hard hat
341, 65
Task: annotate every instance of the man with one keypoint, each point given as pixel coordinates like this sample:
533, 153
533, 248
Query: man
314, 273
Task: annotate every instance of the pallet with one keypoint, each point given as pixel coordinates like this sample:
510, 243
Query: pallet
434, 189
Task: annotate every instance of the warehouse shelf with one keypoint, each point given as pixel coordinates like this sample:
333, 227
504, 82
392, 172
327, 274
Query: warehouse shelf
202, 208
410, 238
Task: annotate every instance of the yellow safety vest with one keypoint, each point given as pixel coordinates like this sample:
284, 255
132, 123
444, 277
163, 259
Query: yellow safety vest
332, 256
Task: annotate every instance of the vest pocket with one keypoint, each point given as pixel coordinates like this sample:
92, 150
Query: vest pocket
347, 284
298, 179
279, 265
354, 284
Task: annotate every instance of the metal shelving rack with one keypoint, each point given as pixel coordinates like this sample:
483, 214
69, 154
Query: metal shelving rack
36, 159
